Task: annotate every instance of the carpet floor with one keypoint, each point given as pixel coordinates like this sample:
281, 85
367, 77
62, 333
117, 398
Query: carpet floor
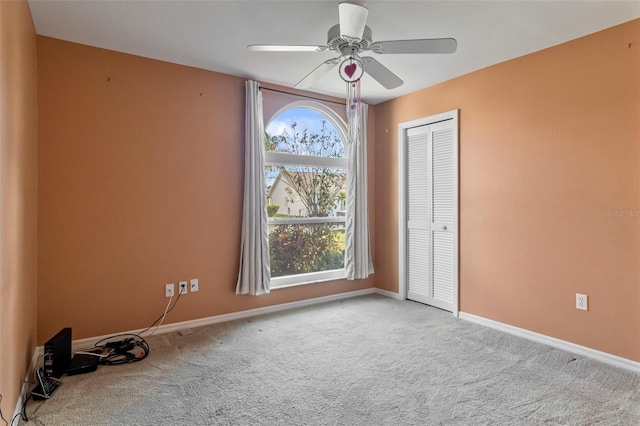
364, 361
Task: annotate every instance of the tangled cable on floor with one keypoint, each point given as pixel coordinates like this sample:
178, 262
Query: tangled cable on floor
132, 347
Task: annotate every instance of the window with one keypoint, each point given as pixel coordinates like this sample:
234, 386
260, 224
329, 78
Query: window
306, 179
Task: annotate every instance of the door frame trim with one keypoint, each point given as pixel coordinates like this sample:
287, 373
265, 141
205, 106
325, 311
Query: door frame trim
402, 201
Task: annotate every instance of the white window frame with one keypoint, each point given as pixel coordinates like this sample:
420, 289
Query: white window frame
281, 159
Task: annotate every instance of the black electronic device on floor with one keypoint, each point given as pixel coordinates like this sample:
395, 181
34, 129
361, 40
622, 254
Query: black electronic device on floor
83, 363
57, 353
46, 385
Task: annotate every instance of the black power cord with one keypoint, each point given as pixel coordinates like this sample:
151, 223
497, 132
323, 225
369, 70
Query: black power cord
132, 348
1, 416
161, 316
21, 413
123, 351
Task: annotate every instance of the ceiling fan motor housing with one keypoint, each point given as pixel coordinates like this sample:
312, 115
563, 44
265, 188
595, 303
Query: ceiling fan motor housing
337, 42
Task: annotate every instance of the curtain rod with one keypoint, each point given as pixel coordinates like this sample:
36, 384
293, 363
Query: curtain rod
302, 96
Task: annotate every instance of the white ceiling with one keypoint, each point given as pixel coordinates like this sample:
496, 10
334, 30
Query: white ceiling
214, 34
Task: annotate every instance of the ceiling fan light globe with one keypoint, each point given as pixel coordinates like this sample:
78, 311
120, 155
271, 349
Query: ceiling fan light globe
353, 19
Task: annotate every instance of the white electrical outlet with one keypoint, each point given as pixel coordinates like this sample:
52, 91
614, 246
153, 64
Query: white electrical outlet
183, 287
194, 285
168, 290
582, 302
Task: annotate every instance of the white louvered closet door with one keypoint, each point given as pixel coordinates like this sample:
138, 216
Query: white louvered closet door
431, 214
418, 215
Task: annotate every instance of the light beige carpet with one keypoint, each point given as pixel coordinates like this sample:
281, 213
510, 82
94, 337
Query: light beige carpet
362, 361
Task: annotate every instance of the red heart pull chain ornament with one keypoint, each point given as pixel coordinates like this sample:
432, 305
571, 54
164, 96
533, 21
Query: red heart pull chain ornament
351, 69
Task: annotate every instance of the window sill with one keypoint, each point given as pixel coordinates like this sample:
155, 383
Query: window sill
305, 279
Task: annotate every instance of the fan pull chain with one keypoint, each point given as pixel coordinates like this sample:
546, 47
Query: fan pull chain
353, 109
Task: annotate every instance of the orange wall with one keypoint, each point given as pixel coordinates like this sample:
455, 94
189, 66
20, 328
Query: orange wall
549, 143
18, 198
140, 168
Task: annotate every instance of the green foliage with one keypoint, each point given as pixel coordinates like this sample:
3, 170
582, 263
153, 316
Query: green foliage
303, 248
272, 209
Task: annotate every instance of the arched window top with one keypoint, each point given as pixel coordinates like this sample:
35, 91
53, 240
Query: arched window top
307, 128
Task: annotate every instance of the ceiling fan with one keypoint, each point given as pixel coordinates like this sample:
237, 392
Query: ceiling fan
351, 37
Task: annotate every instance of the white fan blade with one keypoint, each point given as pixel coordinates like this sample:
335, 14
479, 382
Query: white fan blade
381, 73
353, 18
285, 48
427, 45
315, 75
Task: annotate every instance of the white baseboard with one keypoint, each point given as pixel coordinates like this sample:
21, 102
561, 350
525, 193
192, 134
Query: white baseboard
387, 293
90, 341
16, 413
25, 388
556, 343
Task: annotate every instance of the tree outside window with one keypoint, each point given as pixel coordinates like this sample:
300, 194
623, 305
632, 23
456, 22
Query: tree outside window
306, 174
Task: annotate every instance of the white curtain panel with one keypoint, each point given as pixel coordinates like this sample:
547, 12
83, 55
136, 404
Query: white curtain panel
357, 256
254, 277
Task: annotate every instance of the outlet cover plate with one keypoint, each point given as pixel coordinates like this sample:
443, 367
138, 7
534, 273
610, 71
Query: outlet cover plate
582, 302
193, 285
182, 287
168, 290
